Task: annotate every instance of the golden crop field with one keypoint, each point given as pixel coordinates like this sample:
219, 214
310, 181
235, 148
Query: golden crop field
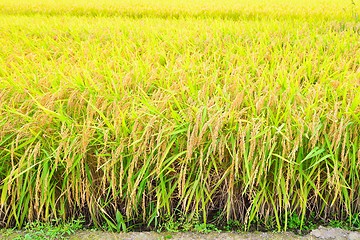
137, 114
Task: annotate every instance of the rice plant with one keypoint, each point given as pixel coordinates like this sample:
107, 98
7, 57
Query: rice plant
128, 114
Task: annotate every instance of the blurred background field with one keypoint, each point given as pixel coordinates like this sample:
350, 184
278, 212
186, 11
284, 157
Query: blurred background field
172, 8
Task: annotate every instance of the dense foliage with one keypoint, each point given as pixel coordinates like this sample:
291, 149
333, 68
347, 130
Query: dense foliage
140, 113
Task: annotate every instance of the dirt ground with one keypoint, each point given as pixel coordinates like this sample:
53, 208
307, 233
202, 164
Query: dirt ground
320, 233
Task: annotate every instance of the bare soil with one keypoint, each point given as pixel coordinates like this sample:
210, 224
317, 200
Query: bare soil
320, 233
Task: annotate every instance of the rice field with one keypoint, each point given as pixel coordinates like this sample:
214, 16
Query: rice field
134, 114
